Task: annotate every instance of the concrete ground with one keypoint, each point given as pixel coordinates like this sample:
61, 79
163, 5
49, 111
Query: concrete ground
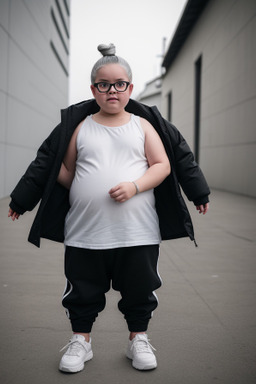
204, 329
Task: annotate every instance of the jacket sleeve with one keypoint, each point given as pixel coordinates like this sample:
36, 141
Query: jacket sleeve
189, 174
29, 189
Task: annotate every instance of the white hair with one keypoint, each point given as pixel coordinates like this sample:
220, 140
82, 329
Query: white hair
109, 57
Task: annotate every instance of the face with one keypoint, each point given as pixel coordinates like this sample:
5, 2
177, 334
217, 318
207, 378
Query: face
113, 101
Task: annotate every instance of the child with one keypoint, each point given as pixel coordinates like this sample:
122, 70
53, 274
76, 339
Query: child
117, 168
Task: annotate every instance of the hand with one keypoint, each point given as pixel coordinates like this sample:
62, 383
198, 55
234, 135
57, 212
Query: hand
203, 208
13, 215
123, 191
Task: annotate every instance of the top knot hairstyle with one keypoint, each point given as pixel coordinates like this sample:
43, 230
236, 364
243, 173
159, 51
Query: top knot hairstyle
109, 57
107, 50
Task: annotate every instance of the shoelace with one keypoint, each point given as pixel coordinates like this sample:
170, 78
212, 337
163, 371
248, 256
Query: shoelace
74, 347
143, 346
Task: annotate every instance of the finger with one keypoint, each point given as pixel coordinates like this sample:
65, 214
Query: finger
14, 216
206, 208
10, 212
122, 200
114, 189
119, 198
115, 195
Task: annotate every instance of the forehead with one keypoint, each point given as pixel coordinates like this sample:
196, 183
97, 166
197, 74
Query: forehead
111, 72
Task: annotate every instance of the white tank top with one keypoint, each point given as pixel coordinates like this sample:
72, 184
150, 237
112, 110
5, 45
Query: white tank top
107, 156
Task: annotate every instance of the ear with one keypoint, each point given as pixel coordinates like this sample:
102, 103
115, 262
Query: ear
93, 90
130, 89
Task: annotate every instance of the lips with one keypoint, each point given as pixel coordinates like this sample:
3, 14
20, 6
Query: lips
112, 99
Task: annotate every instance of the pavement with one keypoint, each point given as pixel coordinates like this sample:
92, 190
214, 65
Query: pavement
204, 329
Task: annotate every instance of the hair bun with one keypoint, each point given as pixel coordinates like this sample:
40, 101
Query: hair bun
107, 50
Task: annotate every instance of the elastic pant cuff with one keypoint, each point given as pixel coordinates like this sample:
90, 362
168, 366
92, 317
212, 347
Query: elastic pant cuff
81, 327
135, 327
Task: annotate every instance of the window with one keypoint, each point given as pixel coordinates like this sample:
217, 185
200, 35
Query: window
169, 106
198, 70
59, 24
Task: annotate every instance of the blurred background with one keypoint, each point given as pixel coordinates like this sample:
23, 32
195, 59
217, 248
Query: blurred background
194, 59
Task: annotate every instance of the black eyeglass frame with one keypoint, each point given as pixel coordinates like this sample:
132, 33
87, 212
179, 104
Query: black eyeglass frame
112, 85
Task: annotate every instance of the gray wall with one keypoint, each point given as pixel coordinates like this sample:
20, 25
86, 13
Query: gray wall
225, 37
33, 80
151, 95
151, 100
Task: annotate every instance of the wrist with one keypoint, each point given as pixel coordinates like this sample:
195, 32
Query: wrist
201, 201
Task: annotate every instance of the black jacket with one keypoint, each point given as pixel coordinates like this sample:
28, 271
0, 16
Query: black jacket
39, 181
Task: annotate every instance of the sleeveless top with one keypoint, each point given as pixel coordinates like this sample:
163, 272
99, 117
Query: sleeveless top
107, 156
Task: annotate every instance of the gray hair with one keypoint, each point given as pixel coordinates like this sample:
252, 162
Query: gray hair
109, 57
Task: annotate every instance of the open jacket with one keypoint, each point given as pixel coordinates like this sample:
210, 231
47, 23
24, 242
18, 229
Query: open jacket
40, 179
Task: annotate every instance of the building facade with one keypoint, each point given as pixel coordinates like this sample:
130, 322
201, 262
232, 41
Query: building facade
151, 95
209, 89
34, 62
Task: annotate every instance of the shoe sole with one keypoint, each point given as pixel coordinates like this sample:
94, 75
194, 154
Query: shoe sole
142, 367
77, 368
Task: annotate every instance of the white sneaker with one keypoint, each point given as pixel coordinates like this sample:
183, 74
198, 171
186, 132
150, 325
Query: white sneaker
140, 351
79, 351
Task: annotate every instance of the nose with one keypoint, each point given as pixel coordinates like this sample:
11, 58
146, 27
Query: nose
112, 90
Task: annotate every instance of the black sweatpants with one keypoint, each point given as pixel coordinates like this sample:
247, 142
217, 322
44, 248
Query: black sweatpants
133, 272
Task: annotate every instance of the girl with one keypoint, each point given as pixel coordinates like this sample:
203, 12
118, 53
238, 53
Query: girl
107, 190
115, 160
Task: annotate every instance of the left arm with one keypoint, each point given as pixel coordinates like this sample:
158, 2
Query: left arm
159, 167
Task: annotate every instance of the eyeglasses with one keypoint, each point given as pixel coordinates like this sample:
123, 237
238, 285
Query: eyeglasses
120, 86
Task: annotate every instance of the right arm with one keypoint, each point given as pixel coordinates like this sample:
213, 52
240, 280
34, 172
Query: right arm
29, 189
68, 166
37, 173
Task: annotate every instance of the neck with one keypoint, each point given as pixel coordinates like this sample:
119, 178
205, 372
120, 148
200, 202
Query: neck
112, 119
